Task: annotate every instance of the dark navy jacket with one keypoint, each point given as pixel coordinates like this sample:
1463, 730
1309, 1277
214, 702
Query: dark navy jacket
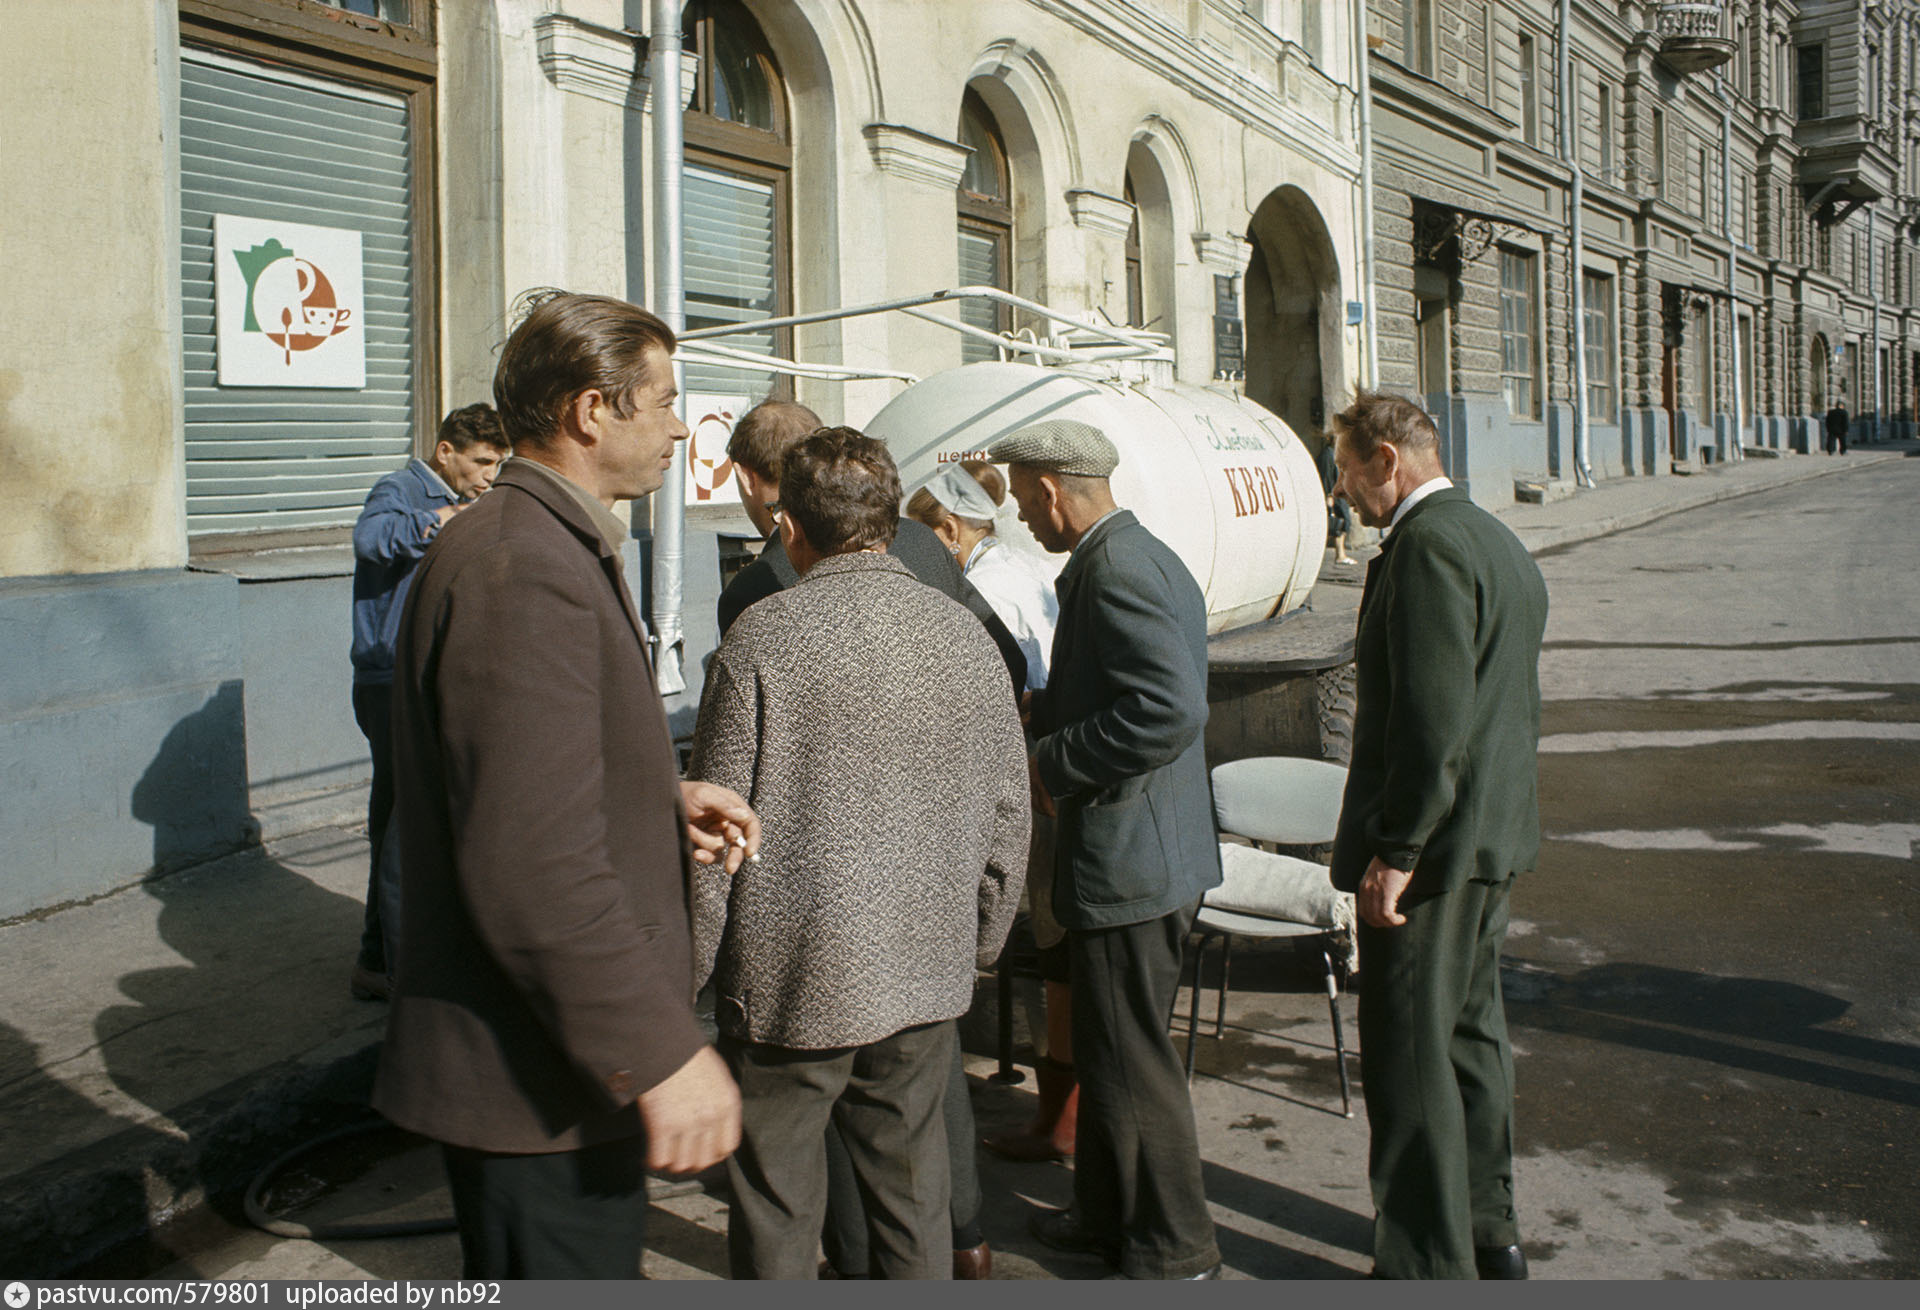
392, 533
1121, 733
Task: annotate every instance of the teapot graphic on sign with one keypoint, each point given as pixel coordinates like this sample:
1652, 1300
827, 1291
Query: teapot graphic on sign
289, 299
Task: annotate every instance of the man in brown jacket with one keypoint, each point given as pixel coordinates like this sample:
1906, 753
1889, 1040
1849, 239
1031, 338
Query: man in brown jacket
542, 1027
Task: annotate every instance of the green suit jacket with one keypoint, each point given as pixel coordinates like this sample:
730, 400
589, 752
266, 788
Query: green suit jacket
1118, 733
1447, 719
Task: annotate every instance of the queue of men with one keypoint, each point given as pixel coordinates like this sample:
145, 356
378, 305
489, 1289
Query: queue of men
850, 843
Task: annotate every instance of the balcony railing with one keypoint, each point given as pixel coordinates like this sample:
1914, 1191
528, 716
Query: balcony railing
1693, 37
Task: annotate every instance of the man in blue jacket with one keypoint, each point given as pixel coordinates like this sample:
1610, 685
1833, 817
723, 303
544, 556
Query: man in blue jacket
402, 514
1118, 758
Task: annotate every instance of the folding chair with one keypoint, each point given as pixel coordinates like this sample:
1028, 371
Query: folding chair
1275, 801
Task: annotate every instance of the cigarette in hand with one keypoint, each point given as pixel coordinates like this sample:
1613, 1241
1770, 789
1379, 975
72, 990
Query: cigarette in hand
741, 842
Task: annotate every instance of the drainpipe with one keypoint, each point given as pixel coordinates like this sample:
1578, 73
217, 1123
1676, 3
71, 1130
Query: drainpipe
669, 302
1733, 251
1363, 86
1873, 289
1570, 154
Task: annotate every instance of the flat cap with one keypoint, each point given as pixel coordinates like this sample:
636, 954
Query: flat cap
1058, 445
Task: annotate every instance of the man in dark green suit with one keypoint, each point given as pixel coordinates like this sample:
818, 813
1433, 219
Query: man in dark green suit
1117, 757
1441, 810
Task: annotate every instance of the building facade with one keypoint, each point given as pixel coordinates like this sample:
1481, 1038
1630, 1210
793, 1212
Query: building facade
285, 236
1746, 178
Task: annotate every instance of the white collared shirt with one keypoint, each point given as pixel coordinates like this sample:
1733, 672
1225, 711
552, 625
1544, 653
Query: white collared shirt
1417, 495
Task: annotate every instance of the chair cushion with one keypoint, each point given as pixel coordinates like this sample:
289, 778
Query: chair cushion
1270, 886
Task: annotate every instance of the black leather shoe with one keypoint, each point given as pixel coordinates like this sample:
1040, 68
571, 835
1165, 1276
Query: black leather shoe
1500, 1262
1061, 1230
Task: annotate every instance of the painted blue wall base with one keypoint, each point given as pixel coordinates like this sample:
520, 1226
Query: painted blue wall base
146, 719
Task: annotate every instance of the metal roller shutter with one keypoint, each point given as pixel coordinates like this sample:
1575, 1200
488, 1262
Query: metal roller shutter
262, 142
980, 266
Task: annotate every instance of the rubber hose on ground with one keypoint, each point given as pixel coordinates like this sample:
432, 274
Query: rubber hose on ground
258, 1216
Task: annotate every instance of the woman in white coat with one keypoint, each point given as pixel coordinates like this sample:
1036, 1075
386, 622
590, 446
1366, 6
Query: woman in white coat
959, 504
1018, 584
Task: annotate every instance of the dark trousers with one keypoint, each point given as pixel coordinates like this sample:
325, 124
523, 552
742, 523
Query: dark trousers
885, 1098
373, 711
1136, 1172
1439, 1083
572, 1214
844, 1239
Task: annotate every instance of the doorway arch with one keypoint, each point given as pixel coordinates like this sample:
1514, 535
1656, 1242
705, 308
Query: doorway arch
1295, 355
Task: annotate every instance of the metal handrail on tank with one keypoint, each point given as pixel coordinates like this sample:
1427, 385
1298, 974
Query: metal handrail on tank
669, 565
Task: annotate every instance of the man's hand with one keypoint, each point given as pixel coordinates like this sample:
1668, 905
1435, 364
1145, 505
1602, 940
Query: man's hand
693, 1118
446, 512
720, 824
1379, 894
1026, 709
1042, 798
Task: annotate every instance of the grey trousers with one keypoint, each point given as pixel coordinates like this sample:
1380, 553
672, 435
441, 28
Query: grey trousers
886, 1099
845, 1237
1136, 1172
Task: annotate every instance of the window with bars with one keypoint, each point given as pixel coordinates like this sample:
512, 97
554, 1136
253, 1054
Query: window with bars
1810, 70
985, 213
1597, 314
734, 194
1519, 345
1529, 91
1606, 134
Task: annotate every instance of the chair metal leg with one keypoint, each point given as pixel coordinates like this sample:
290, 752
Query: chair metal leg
1003, 999
1339, 1040
1226, 964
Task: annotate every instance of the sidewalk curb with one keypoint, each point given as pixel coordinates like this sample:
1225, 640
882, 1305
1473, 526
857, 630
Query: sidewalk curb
107, 1206
1538, 540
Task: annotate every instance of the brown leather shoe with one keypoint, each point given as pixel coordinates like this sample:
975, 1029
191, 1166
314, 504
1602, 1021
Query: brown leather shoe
1051, 1134
973, 1264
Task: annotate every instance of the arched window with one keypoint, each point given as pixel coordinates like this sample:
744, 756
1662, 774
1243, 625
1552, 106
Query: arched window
1136, 289
735, 192
986, 223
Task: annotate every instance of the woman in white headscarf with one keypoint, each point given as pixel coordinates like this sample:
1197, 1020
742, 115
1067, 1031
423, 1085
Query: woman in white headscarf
959, 504
1016, 583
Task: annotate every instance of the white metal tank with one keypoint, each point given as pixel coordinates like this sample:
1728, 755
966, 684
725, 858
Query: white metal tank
1219, 479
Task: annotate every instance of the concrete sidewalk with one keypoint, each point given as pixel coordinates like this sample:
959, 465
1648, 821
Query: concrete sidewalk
162, 1042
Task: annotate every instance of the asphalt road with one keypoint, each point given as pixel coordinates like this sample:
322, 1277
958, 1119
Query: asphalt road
1711, 979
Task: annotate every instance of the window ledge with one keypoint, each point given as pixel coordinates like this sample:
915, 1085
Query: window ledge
279, 563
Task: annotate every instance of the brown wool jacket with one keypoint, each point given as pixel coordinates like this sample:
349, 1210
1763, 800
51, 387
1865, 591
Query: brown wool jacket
545, 952
868, 720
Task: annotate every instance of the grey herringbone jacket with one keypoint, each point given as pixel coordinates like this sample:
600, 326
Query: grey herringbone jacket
868, 720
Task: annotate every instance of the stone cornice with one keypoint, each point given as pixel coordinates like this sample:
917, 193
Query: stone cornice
1107, 215
1319, 125
1224, 254
917, 156
601, 63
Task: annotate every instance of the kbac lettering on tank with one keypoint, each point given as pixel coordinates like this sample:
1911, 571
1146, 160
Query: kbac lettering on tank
1255, 490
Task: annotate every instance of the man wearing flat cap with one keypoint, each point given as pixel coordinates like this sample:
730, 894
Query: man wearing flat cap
1118, 756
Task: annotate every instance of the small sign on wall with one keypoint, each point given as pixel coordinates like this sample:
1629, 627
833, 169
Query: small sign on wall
289, 308
1229, 356
710, 474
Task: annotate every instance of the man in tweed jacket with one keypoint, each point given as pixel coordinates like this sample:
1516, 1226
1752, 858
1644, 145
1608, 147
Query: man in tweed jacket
867, 717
